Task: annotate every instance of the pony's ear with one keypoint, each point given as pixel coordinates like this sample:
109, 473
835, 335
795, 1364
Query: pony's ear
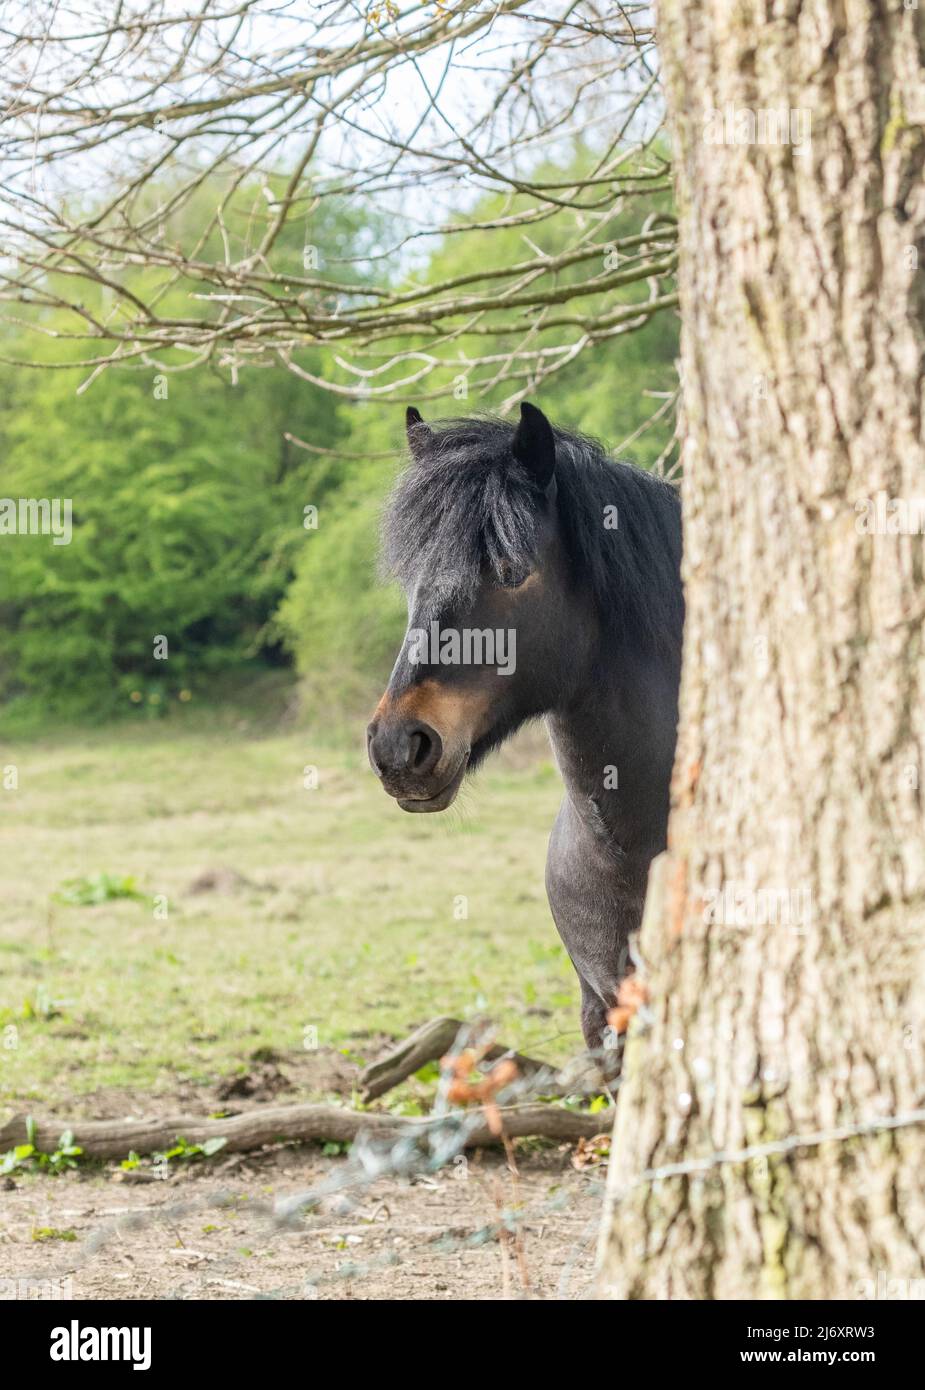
534, 445
419, 434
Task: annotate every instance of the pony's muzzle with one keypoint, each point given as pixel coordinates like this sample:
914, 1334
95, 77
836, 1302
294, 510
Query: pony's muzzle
403, 750
407, 755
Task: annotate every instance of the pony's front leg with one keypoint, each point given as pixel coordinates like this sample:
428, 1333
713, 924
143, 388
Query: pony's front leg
596, 901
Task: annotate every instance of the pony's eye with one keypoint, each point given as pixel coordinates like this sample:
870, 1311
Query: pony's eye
510, 576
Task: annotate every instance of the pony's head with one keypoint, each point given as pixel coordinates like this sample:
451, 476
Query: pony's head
536, 570
472, 534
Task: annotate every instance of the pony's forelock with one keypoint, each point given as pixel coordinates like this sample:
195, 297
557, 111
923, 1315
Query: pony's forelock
465, 504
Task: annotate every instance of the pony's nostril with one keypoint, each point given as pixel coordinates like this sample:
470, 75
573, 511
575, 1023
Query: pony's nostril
425, 749
421, 747
398, 750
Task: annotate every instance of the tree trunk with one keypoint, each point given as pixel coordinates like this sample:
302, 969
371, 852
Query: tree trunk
783, 939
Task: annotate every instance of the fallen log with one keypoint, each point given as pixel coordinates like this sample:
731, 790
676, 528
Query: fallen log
428, 1044
287, 1124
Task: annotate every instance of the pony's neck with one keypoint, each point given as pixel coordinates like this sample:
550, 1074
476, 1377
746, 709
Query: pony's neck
614, 755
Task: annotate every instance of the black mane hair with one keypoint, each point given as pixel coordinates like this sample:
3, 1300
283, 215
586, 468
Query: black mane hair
465, 504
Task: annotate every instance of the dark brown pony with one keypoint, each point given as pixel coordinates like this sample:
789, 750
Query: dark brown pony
542, 579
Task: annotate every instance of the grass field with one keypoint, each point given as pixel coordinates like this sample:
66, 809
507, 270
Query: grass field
294, 916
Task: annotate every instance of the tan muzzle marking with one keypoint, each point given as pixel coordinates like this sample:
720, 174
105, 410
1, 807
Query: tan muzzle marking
456, 715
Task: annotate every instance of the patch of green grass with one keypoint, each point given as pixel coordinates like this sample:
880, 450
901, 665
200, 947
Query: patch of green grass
93, 889
347, 918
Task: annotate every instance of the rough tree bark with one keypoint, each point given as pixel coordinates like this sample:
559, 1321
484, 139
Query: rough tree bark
802, 742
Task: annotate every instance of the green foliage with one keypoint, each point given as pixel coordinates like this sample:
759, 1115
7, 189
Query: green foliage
342, 625
40, 1005
428, 1073
187, 495
185, 514
602, 392
185, 1151
17, 1157
181, 1151
27, 1156
189, 511
93, 889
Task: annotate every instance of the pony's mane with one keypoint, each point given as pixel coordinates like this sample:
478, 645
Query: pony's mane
466, 503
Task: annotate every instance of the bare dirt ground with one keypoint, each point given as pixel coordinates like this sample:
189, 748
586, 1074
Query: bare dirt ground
209, 1233
211, 1229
